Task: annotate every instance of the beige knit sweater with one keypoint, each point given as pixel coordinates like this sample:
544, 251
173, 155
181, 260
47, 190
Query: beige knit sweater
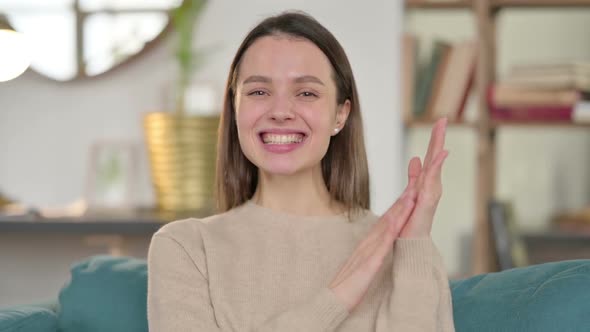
255, 269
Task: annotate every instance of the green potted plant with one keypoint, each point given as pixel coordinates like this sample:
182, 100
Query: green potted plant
181, 142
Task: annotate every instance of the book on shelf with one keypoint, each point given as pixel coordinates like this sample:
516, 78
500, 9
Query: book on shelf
409, 65
436, 2
437, 81
427, 75
521, 112
516, 96
555, 92
456, 82
510, 248
440, 86
574, 68
573, 221
564, 75
532, 114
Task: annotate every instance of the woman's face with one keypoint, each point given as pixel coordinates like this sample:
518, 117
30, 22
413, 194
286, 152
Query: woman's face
285, 104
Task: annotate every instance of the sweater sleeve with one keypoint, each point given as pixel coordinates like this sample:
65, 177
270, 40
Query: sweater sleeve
420, 299
178, 297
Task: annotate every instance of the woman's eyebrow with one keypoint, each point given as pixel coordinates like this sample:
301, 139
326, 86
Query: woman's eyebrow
299, 79
308, 79
257, 79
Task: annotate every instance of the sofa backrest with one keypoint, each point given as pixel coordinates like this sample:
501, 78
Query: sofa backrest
109, 294
545, 297
105, 293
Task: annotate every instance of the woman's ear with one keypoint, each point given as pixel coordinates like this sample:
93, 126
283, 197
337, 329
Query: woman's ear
342, 112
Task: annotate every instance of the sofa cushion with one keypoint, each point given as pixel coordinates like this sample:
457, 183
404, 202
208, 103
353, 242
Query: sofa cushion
105, 293
545, 297
28, 319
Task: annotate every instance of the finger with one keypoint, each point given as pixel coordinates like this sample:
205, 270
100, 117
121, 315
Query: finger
367, 248
428, 154
357, 257
437, 141
434, 174
414, 170
389, 216
433, 179
418, 175
392, 233
427, 203
396, 227
409, 192
374, 255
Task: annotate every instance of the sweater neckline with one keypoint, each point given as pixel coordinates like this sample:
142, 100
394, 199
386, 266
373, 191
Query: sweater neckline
280, 215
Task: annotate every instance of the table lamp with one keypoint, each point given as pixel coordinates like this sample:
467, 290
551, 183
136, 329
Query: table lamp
15, 54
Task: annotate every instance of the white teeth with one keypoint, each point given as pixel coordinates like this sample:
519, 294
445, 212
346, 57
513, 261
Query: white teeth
268, 138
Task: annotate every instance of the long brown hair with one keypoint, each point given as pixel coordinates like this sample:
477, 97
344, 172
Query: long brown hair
344, 167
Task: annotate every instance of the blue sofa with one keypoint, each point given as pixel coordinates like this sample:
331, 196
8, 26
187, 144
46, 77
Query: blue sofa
109, 294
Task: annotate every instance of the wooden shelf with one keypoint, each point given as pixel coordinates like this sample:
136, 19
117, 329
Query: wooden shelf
450, 4
539, 3
497, 124
140, 222
495, 4
135, 228
553, 245
419, 124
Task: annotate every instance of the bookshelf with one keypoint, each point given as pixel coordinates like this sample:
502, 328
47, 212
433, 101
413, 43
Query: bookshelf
498, 4
498, 124
484, 14
418, 124
438, 4
494, 4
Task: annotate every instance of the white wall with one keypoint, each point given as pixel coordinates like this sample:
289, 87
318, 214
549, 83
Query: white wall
46, 128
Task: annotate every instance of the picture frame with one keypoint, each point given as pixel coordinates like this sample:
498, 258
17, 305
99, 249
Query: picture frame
112, 175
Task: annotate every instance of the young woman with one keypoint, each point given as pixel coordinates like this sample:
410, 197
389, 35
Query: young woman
295, 247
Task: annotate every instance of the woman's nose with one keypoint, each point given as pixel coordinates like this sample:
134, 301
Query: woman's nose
282, 109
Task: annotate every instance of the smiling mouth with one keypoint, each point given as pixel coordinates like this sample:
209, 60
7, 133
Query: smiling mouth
271, 138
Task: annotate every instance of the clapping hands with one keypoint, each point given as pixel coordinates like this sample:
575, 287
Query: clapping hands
410, 216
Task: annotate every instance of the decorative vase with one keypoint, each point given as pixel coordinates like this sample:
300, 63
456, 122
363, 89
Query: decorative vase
182, 153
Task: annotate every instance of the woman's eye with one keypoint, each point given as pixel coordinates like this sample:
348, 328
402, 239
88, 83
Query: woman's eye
256, 93
308, 94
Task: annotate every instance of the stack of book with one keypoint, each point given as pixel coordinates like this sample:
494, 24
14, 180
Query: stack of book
438, 87
557, 92
573, 221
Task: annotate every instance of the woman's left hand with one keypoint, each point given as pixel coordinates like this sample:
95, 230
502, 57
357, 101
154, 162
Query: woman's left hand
426, 180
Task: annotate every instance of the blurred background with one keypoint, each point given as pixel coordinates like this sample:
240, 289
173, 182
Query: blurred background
108, 112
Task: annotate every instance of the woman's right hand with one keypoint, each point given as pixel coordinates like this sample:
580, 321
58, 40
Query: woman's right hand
353, 279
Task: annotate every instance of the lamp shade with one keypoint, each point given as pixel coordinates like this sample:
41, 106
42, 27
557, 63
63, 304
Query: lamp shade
15, 56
